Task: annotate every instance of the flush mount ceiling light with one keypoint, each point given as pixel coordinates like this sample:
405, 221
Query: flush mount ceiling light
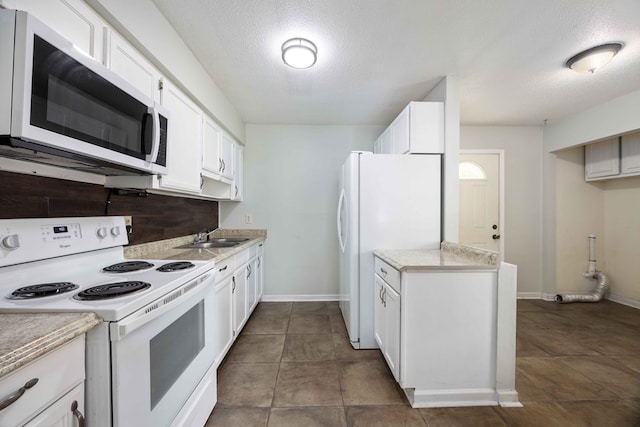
299, 53
591, 60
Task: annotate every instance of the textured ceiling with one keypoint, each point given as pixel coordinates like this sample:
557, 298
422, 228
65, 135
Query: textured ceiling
374, 56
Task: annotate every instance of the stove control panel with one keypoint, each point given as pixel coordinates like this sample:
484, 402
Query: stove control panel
30, 239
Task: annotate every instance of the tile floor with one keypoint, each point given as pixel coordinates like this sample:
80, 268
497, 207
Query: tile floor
577, 365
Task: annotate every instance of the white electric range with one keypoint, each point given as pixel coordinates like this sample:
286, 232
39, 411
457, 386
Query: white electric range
149, 362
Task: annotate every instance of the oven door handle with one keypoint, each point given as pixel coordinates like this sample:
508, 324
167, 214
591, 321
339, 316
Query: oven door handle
146, 314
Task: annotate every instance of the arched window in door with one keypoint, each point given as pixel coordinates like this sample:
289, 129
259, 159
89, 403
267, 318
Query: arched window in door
471, 171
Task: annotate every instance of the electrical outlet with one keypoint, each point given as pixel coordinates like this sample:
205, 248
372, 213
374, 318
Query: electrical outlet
248, 219
128, 223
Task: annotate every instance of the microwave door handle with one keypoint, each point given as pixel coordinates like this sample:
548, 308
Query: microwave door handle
152, 154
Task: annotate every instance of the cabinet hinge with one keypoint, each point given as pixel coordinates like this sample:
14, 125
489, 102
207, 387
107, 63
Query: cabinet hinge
160, 84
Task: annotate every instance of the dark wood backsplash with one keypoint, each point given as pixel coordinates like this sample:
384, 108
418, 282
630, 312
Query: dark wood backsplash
154, 217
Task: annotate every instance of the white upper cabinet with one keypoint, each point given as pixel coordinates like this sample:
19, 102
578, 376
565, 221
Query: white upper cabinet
73, 19
630, 152
238, 179
602, 159
226, 155
124, 60
184, 141
211, 157
418, 129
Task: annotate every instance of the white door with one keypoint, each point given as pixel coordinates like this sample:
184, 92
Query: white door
480, 201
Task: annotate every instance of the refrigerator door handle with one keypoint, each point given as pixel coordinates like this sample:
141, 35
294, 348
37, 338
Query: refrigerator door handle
340, 205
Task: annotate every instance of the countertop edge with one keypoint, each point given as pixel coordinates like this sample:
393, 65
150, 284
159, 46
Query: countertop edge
29, 352
451, 257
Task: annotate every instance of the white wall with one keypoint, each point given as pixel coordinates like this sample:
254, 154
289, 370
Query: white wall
522, 147
291, 189
622, 229
579, 213
447, 91
611, 118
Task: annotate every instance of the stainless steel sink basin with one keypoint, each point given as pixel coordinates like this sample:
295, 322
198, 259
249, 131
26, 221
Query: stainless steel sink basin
227, 242
228, 239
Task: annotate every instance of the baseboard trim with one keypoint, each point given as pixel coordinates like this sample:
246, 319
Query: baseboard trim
450, 398
529, 295
300, 298
624, 300
509, 399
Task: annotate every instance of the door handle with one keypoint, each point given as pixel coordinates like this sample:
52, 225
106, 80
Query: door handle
496, 237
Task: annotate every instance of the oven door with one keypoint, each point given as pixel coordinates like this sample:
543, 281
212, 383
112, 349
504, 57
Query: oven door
160, 353
67, 101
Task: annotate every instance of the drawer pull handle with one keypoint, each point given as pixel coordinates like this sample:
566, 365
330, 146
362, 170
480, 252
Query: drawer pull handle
77, 413
18, 394
223, 269
383, 270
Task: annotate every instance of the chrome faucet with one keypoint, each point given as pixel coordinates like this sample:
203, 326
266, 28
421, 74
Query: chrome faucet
203, 236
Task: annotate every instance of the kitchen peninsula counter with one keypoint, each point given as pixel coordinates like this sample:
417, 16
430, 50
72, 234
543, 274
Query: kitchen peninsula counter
166, 249
26, 336
450, 256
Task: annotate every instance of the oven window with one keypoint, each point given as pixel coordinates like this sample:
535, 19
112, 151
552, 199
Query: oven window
173, 349
69, 99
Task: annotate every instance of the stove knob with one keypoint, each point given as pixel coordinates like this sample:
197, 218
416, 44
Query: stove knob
102, 232
10, 242
115, 231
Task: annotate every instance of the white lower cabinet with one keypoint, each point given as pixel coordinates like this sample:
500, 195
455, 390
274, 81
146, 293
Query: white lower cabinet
51, 397
387, 324
240, 313
437, 331
223, 310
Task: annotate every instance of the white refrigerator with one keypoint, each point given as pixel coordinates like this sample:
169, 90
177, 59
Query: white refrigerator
386, 201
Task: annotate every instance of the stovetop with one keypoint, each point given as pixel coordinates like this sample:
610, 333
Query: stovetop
85, 270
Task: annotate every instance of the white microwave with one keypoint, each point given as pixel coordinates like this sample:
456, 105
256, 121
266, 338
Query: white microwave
60, 107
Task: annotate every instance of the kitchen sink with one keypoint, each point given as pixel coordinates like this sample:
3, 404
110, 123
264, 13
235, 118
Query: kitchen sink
214, 243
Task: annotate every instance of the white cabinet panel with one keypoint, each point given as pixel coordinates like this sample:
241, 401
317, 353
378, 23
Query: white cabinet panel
418, 129
392, 330
238, 179
240, 312
124, 60
184, 141
223, 318
211, 158
73, 19
630, 153
602, 159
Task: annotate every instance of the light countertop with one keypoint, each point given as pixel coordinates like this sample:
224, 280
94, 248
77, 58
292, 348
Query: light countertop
166, 249
26, 336
450, 256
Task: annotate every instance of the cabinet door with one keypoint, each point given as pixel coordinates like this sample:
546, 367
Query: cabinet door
237, 191
223, 318
63, 412
211, 158
260, 274
226, 154
184, 141
400, 131
386, 143
379, 313
239, 287
602, 159
251, 285
124, 60
630, 153
392, 330
73, 19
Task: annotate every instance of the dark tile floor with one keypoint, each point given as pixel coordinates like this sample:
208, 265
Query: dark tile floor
577, 365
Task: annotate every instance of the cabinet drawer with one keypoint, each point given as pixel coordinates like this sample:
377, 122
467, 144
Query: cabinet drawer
225, 268
57, 372
388, 273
